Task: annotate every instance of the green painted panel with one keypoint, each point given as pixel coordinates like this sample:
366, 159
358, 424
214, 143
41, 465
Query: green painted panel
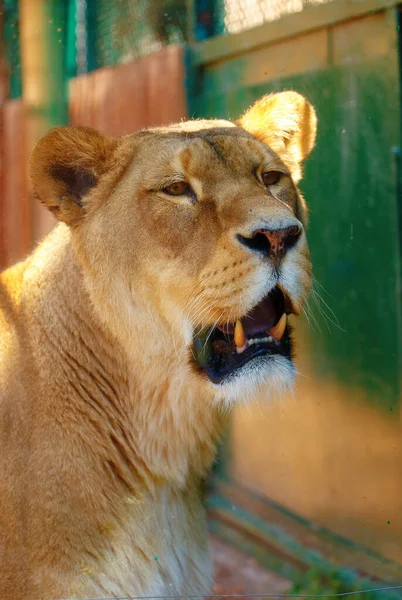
10, 39
71, 40
351, 185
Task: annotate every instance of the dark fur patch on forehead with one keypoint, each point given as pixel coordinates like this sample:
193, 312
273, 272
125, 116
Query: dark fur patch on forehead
203, 133
224, 131
221, 140
215, 148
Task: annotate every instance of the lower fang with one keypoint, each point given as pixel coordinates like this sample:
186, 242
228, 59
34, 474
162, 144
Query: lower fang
241, 349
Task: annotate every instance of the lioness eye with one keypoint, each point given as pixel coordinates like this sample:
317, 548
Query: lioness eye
179, 188
271, 177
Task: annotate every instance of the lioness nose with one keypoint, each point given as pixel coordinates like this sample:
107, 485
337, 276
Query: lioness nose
272, 242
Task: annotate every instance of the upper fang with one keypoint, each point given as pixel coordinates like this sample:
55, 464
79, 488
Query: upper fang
278, 330
239, 336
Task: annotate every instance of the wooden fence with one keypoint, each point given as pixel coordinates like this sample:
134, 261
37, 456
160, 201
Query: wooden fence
15, 229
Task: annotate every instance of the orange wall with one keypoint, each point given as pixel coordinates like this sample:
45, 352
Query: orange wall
119, 100
15, 233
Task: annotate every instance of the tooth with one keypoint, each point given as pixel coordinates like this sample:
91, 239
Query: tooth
239, 337
278, 330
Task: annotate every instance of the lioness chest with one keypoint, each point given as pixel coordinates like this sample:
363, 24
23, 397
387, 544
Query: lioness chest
159, 548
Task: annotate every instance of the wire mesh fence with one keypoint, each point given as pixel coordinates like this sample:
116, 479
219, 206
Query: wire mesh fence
101, 33
127, 29
240, 15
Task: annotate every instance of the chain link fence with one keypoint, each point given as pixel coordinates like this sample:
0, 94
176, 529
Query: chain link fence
104, 33
127, 29
245, 14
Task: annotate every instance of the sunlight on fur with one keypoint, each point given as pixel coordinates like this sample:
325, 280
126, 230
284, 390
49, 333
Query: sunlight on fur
159, 301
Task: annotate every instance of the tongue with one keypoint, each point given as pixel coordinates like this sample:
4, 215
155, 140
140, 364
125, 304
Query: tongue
262, 318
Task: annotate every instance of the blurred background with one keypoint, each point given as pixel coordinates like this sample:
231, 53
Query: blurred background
310, 486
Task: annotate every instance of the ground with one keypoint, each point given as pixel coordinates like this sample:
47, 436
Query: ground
237, 573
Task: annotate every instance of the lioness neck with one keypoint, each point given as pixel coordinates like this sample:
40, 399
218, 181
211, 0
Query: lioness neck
148, 426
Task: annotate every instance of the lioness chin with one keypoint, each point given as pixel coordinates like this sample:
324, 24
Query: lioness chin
161, 298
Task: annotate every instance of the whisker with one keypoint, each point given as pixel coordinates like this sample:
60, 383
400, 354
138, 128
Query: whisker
212, 328
311, 318
207, 307
315, 281
318, 300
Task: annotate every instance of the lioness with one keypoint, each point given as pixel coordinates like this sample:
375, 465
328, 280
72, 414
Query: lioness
159, 300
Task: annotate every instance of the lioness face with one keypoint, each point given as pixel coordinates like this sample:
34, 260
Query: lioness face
201, 227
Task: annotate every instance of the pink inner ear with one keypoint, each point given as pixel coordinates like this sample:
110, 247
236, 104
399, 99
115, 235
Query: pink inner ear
78, 181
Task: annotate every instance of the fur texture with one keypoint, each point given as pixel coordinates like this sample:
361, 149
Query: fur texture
106, 430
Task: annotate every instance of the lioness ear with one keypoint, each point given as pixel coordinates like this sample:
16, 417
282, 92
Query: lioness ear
65, 165
287, 123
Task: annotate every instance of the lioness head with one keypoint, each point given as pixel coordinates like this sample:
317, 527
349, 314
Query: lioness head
191, 238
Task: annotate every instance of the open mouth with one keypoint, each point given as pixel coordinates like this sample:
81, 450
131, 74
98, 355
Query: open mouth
264, 332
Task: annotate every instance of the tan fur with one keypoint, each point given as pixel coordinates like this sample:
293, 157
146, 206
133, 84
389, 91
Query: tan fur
106, 430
